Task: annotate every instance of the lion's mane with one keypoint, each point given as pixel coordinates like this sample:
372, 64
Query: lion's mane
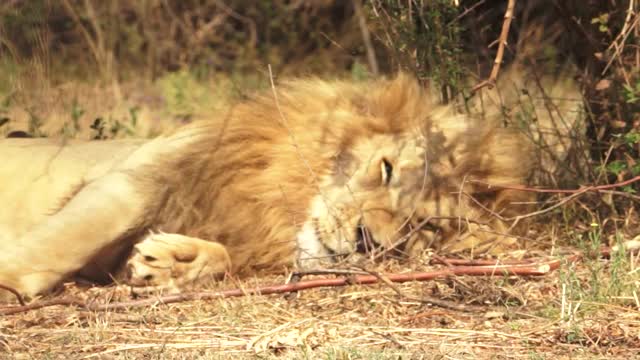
249, 179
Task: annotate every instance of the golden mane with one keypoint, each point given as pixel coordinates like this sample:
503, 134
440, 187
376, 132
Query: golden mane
250, 178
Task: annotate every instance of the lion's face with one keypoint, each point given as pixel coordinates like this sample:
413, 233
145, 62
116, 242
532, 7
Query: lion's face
409, 191
379, 194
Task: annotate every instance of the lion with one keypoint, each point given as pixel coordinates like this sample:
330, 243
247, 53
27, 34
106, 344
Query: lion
302, 174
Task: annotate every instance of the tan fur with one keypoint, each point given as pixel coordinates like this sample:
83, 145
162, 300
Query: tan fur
280, 179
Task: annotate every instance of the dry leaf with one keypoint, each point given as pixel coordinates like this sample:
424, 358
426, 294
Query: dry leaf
283, 337
603, 84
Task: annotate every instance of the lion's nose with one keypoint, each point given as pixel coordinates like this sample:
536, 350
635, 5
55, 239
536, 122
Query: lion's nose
365, 242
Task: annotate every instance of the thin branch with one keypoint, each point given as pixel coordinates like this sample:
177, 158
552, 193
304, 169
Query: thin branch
479, 262
253, 32
502, 42
95, 48
517, 218
14, 292
445, 304
533, 269
621, 193
574, 194
366, 37
466, 12
624, 34
591, 188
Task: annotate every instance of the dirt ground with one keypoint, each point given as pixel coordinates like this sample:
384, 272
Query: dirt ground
559, 315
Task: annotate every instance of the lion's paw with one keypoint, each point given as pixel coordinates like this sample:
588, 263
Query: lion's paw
170, 260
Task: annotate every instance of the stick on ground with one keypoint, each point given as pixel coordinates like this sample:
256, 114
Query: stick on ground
524, 269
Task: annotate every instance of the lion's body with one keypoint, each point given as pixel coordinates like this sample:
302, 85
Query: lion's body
51, 172
309, 171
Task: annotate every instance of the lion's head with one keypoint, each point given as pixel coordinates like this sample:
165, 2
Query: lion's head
333, 167
415, 175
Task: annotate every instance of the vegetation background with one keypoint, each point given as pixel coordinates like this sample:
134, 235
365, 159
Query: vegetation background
105, 69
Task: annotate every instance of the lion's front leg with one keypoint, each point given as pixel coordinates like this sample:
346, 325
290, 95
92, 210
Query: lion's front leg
169, 260
101, 213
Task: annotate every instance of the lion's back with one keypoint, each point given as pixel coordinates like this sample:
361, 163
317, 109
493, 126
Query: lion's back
38, 174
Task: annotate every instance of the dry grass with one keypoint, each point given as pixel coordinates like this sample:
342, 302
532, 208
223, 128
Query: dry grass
532, 318
136, 108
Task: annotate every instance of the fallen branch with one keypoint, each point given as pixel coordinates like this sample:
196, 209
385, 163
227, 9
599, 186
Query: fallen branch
502, 42
14, 292
583, 189
480, 262
520, 269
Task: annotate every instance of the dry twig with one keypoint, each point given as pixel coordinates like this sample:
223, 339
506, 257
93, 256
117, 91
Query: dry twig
619, 42
427, 299
502, 42
574, 193
366, 37
523, 269
14, 292
583, 189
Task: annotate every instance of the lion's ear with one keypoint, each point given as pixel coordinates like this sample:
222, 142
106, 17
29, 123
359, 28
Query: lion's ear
400, 99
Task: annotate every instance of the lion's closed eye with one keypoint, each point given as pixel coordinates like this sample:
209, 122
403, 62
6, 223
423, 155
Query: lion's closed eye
426, 224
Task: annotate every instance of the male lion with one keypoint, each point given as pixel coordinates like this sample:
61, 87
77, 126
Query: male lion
305, 173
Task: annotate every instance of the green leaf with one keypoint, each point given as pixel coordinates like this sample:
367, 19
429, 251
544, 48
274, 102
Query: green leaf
631, 138
616, 167
629, 189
